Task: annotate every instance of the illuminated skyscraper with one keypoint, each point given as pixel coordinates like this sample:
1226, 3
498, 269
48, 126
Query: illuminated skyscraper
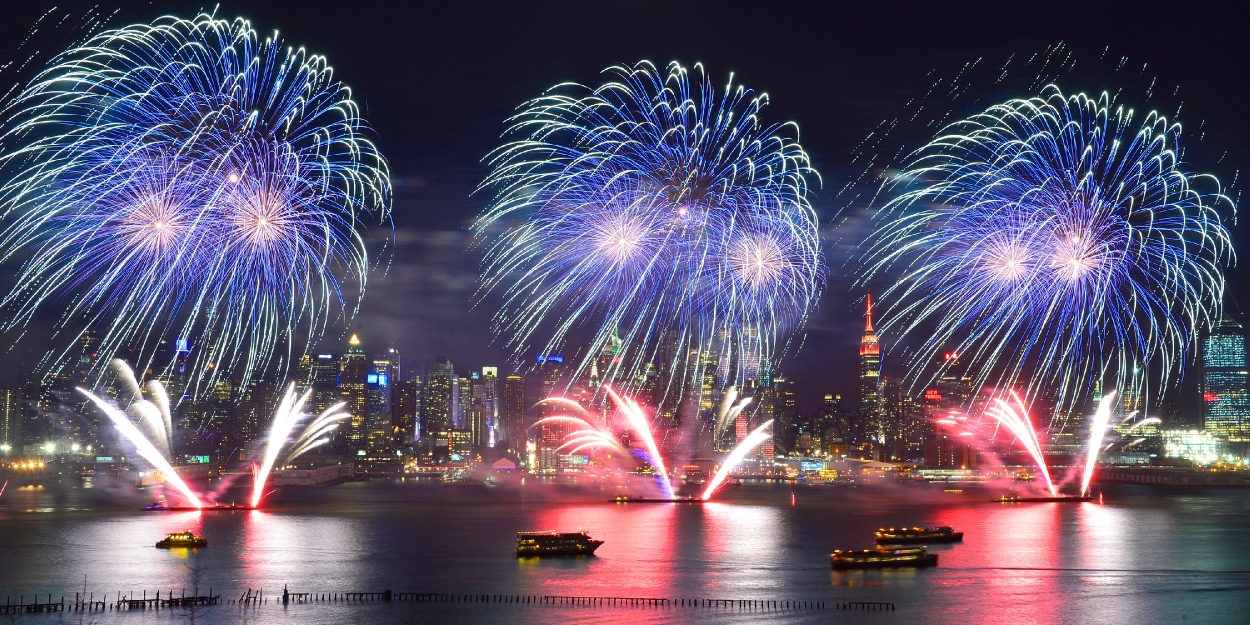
10, 422
870, 410
352, 391
379, 412
1225, 398
436, 400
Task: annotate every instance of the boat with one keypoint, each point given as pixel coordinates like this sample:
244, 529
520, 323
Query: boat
553, 543
914, 535
880, 558
186, 539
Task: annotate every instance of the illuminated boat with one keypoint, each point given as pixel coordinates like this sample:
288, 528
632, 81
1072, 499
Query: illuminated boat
913, 535
182, 539
553, 543
844, 559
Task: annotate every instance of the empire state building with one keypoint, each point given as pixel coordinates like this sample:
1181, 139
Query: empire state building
870, 411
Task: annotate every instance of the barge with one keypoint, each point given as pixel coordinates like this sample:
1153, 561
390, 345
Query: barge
918, 535
879, 558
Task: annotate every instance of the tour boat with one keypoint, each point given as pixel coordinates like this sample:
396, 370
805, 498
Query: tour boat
182, 539
882, 558
553, 543
913, 535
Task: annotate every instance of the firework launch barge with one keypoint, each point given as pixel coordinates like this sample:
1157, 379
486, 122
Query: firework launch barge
1056, 499
553, 543
161, 506
918, 535
631, 499
880, 558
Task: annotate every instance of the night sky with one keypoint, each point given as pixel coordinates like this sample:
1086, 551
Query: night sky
436, 82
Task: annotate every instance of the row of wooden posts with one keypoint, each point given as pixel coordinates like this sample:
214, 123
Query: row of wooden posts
86, 603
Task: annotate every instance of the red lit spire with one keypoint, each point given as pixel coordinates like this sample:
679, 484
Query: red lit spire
868, 346
868, 315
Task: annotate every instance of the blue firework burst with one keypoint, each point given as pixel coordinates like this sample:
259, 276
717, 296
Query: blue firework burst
188, 179
656, 209
1055, 242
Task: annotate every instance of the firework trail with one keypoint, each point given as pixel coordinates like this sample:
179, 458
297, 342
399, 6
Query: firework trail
1016, 420
655, 207
188, 179
154, 415
288, 415
753, 440
1097, 429
584, 435
638, 423
1054, 240
729, 411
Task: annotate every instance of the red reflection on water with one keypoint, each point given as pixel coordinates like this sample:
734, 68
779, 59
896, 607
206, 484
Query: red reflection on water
1012, 552
634, 560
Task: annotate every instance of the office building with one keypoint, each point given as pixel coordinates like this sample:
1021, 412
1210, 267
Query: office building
1225, 398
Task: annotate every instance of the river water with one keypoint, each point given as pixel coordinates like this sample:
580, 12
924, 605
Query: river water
1142, 556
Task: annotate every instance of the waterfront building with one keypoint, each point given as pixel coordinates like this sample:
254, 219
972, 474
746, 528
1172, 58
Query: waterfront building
870, 409
1225, 398
1196, 446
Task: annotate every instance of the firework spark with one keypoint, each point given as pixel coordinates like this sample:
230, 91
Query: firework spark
1057, 241
188, 178
655, 207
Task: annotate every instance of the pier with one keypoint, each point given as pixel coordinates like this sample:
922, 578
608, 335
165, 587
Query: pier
21, 607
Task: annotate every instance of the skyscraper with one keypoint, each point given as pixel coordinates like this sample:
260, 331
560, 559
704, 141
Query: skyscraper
436, 400
512, 411
490, 401
10, 421
384, 371
352, 391
1225, 398
324, 382
870, 412
406, 412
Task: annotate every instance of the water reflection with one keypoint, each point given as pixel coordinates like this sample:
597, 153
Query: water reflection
296, 547
636, 556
